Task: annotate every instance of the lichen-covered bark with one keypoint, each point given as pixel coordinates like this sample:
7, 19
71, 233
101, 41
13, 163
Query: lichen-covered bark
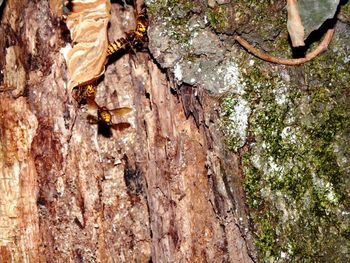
153, 192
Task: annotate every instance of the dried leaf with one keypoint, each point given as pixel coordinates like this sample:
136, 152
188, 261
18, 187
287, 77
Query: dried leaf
294, 24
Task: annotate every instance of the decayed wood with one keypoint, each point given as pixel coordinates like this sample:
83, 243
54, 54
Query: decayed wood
19, 233
155, 191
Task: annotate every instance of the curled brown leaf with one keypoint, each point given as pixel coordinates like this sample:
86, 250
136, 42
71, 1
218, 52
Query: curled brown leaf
294, 24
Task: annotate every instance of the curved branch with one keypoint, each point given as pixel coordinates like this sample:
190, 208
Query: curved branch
285, 61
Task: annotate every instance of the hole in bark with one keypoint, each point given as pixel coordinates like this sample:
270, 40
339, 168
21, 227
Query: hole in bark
41, 201
69, 6
78, 223
133, 180
65, 34
173, 91
78, 256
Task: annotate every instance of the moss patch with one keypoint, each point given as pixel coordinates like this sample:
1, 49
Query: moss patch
297, 172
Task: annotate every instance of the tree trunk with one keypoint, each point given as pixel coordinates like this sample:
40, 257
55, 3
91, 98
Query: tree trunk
164, 190
227, 158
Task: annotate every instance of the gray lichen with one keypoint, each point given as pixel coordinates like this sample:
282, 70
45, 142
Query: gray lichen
182, 40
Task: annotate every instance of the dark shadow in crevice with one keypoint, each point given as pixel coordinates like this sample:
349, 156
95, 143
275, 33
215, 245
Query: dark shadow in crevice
2, 8
124, 3
315, 37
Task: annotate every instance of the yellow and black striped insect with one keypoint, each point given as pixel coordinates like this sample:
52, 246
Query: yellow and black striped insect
104, 119
117, 45
139, 35
133, 39
84, 94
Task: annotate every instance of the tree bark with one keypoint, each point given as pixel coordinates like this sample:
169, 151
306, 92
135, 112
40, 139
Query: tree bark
164, 190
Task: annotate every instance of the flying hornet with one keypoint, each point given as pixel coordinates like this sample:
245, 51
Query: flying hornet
104, 119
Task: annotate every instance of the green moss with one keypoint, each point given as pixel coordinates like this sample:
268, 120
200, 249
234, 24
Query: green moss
296, 183
345, 9
217, 17
266, 235
221, 17
267, 26
177, 10
175, 16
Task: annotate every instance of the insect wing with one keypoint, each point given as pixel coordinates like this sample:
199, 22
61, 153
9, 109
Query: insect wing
92, 105
121, 111
92, 119
120, 126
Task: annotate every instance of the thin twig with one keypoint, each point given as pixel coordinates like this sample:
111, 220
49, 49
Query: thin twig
285, 61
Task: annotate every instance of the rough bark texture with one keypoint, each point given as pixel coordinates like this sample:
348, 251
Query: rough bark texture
161, 191
167, 189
